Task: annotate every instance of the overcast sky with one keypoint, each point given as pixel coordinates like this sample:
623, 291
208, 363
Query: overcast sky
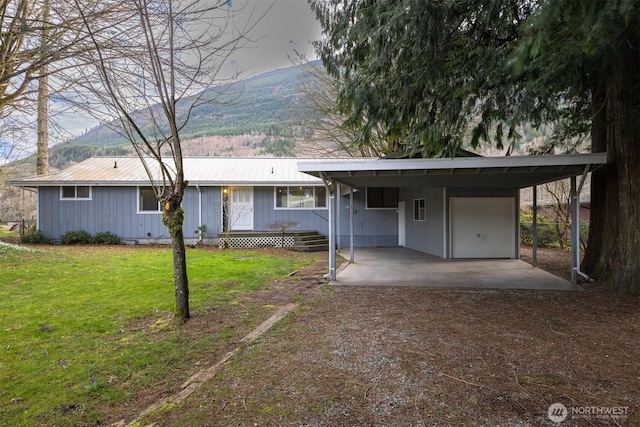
289, 25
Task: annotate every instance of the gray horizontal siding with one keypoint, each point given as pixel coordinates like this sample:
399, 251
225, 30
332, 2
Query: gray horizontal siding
371, 227
202, 206
424, 236
110, 209
114, 209
211, 210
265, 213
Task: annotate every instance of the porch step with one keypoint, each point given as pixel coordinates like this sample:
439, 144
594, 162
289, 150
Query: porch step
310, 241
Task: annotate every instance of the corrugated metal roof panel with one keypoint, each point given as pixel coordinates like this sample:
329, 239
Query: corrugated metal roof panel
198, 170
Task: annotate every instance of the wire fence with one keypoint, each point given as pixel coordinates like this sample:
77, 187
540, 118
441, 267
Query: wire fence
553, 234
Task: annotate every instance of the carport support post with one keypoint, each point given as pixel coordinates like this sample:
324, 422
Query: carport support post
351, 251
575, 232
338, 209
332, 225
332, 235
534, 227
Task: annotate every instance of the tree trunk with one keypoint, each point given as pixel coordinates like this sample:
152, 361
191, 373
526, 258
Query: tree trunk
173, 218
593, 262
42, 150
622, 233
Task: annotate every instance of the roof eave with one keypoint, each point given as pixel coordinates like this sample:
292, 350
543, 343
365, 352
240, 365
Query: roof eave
36, 184
452, 163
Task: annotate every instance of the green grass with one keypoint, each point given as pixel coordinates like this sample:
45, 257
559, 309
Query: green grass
82, 328
5, 233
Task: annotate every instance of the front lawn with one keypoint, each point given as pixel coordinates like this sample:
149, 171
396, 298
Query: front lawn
7, 234
83, 329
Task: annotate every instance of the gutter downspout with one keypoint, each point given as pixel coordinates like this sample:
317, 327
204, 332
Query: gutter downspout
534, 227
338, 209
332, 228
200, 237
199, 205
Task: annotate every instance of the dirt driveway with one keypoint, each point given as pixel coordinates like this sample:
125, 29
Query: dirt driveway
430, 357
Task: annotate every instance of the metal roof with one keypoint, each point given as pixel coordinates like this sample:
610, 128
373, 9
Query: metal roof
213, 171
469, 172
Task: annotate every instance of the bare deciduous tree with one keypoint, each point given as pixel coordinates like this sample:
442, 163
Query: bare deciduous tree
152, 63
321, 119
560, 210
34, 35
15, 204
37, 38
42, 152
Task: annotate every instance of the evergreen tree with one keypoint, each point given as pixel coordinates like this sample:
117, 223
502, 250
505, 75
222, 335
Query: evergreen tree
439, 74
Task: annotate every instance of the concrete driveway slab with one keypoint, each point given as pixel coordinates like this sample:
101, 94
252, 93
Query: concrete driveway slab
405, 267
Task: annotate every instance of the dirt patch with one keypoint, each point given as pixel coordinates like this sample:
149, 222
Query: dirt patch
426, 357
553, 260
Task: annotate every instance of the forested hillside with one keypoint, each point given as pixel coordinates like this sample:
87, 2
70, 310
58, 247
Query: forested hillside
260, 108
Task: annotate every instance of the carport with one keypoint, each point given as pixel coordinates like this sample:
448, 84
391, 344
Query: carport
380, 267
468, 173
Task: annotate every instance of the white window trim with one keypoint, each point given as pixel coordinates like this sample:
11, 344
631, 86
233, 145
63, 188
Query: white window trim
424, 210
287, 208
366, 202
141, 212
76, 199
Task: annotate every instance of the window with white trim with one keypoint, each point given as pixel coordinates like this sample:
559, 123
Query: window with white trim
382, 198
419, 210
301, 197
75, 192
147, 200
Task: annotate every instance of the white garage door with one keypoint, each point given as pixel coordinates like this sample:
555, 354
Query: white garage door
482, 227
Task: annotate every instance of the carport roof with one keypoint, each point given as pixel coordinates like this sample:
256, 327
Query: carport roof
469, 172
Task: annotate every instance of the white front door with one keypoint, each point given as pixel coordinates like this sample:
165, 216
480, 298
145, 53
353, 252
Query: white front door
241, 208
482, 227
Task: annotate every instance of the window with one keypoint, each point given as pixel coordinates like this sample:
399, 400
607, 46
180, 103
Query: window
301, 197
81, 192
419, 210
148, 201
382, 198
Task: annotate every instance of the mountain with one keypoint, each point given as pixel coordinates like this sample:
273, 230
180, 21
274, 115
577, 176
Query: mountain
251, 117
258, 116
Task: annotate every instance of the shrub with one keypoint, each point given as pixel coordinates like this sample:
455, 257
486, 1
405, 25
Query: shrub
76, 237
33, 236
201, 231
283, 226
106, 238
547, 236
584, 233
